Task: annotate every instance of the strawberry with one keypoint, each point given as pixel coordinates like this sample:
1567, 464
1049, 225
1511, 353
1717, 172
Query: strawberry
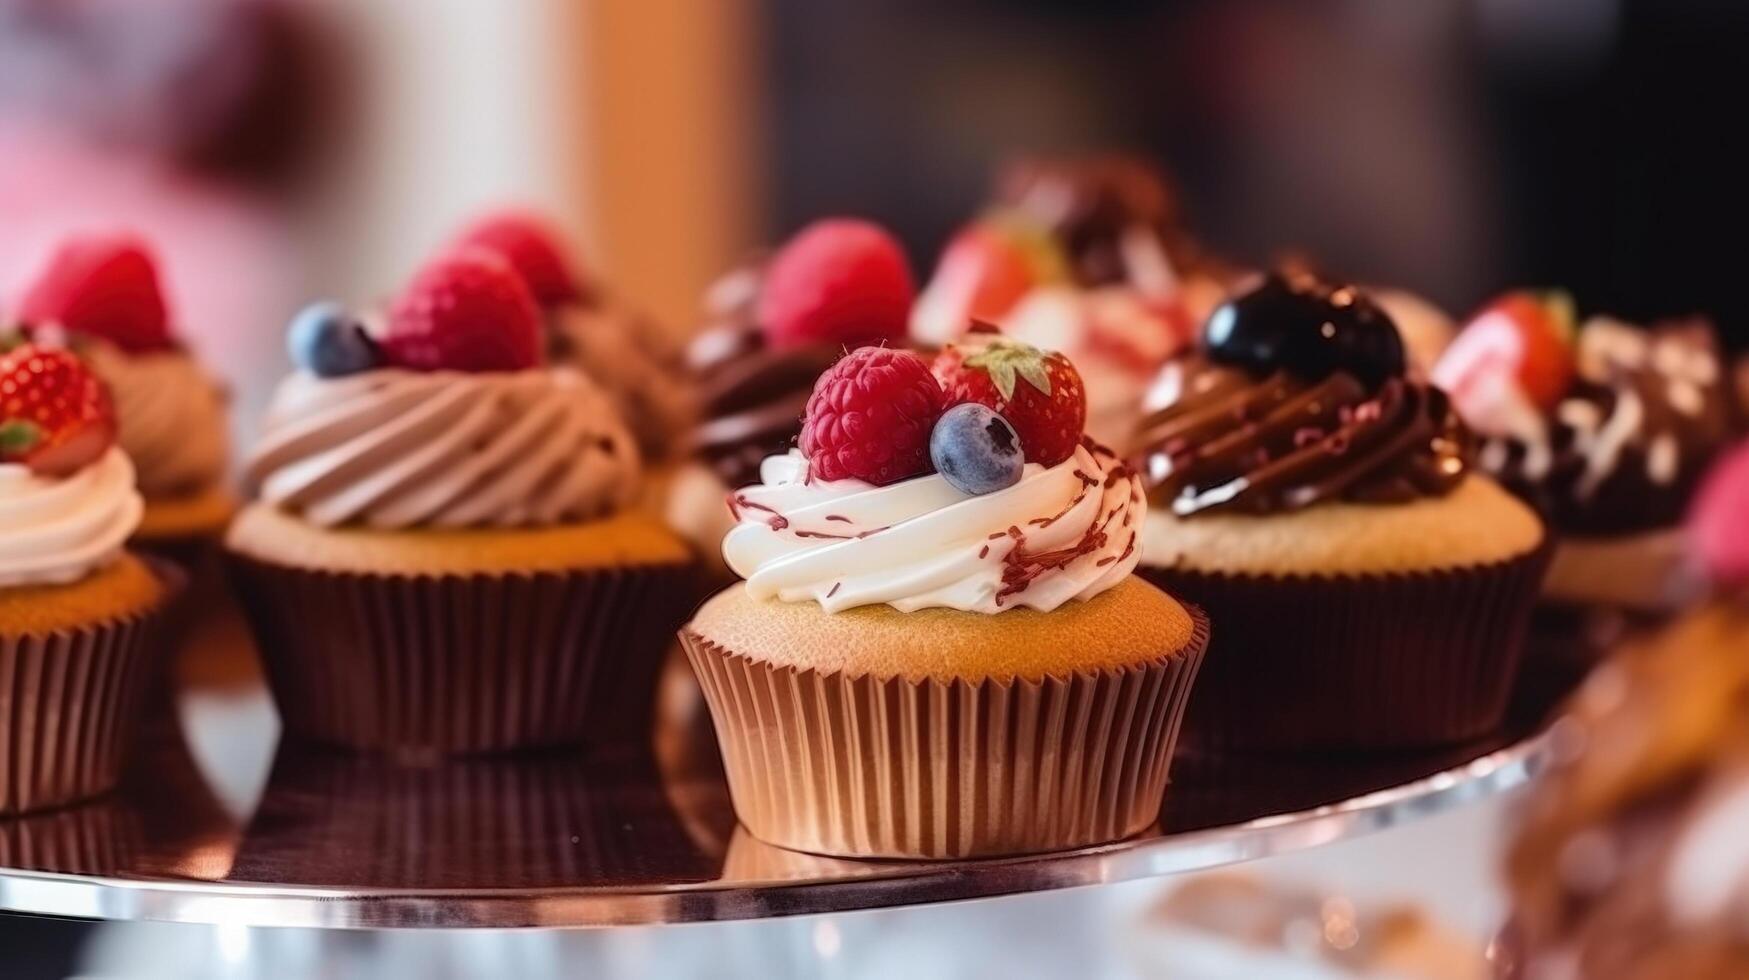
105, 286
465, 311
870, 416
55, 415
1525, 338
984, 272
1039, 392
840, 281
532, 248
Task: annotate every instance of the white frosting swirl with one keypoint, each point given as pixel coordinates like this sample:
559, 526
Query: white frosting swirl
399, 449
58, 530
171, 418
1064, 532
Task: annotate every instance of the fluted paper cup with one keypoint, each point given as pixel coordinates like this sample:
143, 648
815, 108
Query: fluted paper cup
1357, 662
71, 702
863, 766
457, 664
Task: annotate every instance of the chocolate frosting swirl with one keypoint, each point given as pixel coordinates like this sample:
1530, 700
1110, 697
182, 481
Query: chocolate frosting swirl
1298, 397
751, 397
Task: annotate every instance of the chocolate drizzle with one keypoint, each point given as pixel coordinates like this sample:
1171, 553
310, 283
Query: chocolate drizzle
1310, 404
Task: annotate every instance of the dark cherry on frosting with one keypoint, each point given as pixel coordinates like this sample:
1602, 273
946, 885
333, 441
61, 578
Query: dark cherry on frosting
1296, 323
1299, 395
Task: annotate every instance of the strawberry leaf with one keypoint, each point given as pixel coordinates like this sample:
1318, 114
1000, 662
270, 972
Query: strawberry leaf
19, 437
1005, 359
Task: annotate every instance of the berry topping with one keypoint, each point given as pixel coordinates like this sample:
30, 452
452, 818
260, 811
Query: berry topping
976, 449
55, 415
1525, 338
532, 248
870, 417
329, 342
1718, 526
838, 281
984, 272
105, 286
1308, 328
1038, 392
466, 311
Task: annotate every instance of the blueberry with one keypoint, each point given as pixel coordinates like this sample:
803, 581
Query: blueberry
1307, 328
976, 449
329, 342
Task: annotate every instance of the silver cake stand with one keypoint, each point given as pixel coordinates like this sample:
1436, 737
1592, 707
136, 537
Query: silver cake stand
218, 823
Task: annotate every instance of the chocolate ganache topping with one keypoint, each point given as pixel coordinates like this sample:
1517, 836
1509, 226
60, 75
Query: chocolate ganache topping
751, 396
1298, 395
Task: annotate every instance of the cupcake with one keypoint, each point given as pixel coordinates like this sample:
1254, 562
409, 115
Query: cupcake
939, 650
445, 555
1606, 430
1084, 257
77, 610
101, 294
770, 329
1370, 589
627, 354
1627, 860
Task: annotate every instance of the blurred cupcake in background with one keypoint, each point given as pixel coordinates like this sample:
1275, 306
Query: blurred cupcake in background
1087, 257
77, 609
628, 355
771, 327
100, 294
1629, 860
1369, 589
445, 554
1606, 428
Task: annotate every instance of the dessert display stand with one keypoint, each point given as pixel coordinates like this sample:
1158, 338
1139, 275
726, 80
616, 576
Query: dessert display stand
217, 822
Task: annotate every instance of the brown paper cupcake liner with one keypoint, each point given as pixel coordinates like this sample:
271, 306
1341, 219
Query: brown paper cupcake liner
70, 705
858, 766
462, 664
1356, 662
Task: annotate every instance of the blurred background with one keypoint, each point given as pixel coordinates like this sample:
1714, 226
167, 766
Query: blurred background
285, 150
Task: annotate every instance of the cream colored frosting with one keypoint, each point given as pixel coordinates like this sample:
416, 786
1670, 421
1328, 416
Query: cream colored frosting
171, 418
615, 348
401, 449
58, 530
1063, 532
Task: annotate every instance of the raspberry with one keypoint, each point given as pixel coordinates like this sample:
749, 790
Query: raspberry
532, 248
466, 311
104, 286
838, 281
1040, 393
870, 417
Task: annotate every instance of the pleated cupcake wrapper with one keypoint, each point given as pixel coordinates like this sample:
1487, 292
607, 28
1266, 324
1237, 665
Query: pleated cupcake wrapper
527, 821
463, 664
1356, 662
850, 766
70, 704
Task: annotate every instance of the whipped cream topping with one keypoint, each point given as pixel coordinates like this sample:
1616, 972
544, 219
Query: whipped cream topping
58, 530
171, 418
399, 449
1063, 532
